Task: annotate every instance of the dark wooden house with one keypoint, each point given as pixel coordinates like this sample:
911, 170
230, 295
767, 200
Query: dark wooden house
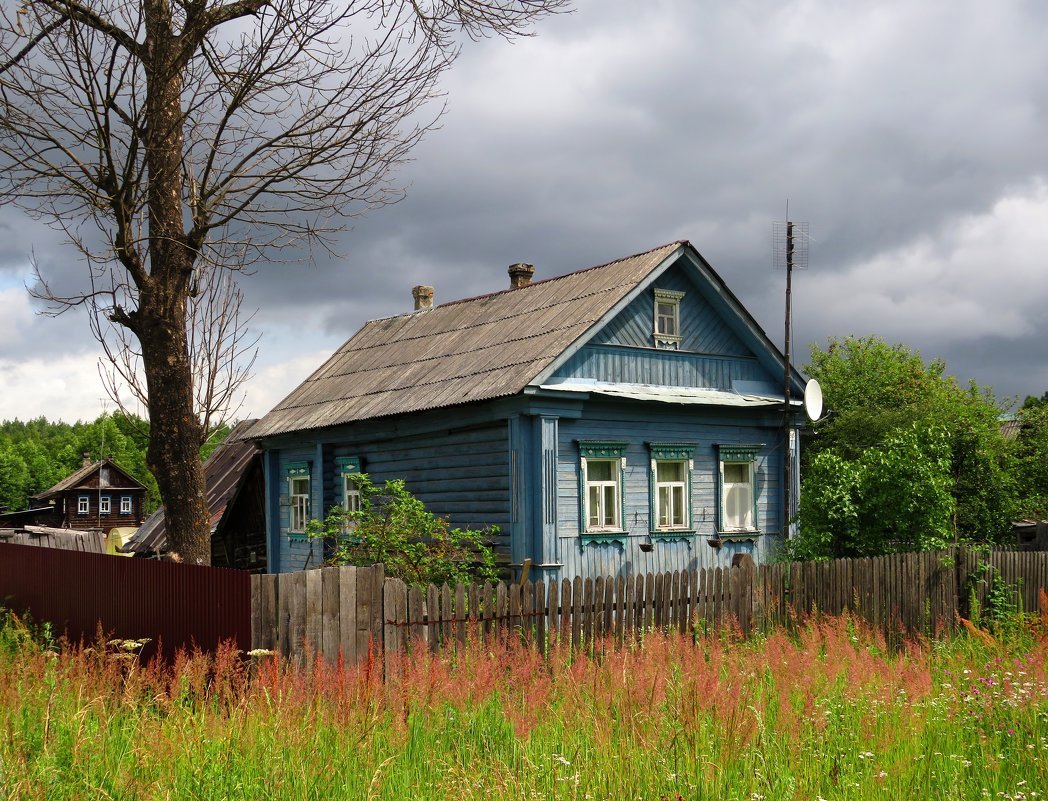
621, 419
99, 496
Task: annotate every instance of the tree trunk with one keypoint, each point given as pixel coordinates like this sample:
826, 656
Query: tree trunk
160, 321
175, 434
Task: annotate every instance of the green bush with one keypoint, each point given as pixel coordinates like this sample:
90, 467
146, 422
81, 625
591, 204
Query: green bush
393, 527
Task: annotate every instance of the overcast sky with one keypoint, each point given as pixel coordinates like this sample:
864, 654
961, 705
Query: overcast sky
911, 136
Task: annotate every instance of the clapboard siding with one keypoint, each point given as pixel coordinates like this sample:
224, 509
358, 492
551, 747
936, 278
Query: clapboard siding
703, 330
612, 558
460, 474
666, 368
296, 554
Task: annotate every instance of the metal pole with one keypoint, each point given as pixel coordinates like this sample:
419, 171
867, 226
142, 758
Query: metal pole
787, 456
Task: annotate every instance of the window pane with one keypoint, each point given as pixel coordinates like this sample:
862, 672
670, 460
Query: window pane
738, 496
599, 471
669, 471
667, 318
735, 473
664, 506
594, 507
678, 506
609, 506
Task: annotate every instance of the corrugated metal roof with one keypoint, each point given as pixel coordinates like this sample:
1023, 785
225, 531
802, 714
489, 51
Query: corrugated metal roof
223, 471
467, 350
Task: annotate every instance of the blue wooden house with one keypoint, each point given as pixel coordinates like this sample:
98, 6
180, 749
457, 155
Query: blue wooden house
623, 418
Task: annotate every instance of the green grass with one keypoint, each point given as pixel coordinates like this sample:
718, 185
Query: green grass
827, 711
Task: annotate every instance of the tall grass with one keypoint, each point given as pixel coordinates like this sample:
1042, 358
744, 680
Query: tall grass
826, 711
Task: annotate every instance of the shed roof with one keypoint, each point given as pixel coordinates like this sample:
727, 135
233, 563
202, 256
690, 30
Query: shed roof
224, 471
467, 350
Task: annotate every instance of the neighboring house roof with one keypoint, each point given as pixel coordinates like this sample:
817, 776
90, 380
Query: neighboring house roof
73, 481
476, 349
223, 473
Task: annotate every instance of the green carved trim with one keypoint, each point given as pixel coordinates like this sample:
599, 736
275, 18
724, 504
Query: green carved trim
298, 468
738, 536
739, 453
297, 536
347, 465
669, 294
594, 449
672, 451
679, 535
591, 537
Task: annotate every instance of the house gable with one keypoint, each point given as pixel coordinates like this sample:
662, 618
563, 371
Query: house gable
720, 346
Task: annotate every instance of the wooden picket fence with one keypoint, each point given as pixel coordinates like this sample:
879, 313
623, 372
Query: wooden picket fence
356, 611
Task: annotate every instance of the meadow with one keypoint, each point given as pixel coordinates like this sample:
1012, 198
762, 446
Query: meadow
822, 710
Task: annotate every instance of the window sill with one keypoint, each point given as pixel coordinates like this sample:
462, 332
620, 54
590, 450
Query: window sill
297, 536
670, 535
590, 537
738, 536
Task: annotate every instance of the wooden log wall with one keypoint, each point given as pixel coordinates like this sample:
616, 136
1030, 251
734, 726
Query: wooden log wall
354, 611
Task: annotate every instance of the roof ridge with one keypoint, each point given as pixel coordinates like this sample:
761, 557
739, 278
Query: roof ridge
572, 274
541, 281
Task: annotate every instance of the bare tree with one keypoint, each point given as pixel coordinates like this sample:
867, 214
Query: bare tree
222, 351
156, 133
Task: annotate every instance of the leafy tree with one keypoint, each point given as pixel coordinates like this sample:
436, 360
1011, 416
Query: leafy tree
170, 140
894, 497
875, 470
1032, 461
1033, 402
392, 526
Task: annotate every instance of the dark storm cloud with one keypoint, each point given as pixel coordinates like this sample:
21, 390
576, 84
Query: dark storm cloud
912, 136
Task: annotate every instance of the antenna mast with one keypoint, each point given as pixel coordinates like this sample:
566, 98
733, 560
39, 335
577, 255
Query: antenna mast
789, 250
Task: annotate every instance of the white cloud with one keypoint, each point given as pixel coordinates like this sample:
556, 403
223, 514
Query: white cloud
980, 276
65, 388
272, 382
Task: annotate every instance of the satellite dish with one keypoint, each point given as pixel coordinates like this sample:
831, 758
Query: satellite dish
813, 400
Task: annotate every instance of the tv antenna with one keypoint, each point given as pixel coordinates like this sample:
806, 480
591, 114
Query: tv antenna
789, 252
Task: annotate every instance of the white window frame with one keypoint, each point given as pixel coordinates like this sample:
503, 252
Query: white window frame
105, 505
598, 494
671, 489
746, 457
125, 505
299, 503
83, 504
347, 469
682, 453
350, 493
664, 338
614, 454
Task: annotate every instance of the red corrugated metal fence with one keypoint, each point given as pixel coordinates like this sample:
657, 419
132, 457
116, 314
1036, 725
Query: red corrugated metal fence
180, 606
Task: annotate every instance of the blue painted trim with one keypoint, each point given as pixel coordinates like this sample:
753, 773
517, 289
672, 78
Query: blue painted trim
270, 470
681, 535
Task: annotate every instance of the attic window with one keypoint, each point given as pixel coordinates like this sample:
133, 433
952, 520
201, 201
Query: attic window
667, 318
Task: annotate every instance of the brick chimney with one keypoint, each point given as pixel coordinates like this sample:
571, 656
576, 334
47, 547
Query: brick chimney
85, 459
520, 275
423, 296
